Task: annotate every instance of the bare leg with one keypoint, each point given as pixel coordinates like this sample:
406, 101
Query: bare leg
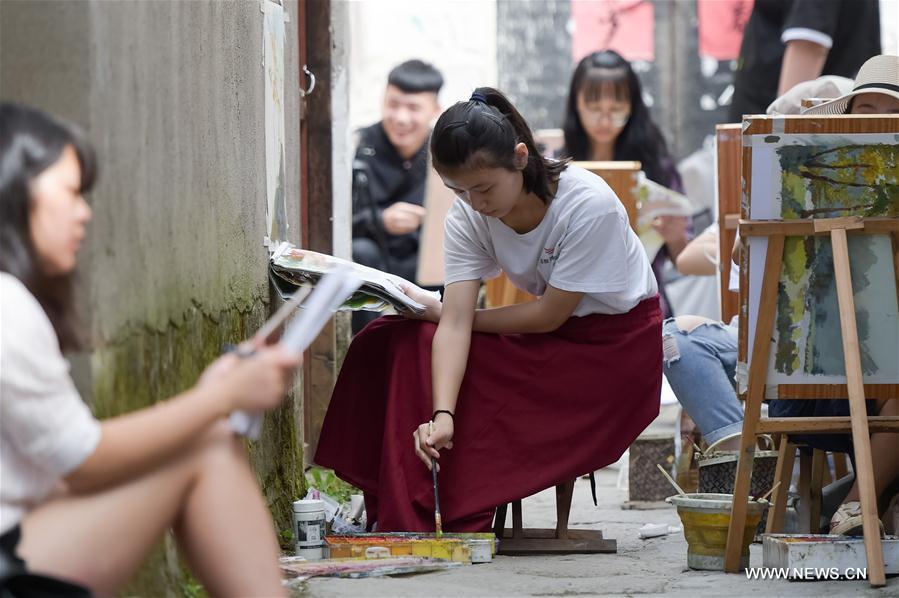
688, 323
885, 450
209, 494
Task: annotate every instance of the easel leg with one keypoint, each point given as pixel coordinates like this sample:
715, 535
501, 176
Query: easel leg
757, 373
805, 492
819, 460
861, 439
785, 460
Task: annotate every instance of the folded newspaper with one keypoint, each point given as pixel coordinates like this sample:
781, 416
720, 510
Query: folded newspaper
291, 266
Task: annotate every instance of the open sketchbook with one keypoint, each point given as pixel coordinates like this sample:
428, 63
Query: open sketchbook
291, 267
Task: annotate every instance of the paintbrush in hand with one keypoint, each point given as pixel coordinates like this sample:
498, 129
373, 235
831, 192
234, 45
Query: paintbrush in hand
438, 525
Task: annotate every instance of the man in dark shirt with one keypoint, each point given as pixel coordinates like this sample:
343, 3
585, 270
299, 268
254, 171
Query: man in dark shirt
789, 41
390, 170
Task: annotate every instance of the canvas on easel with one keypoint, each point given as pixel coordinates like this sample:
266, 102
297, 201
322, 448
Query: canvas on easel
822, 167
819, 314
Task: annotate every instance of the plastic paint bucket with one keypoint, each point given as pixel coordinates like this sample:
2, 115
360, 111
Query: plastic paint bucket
309, 527
706, 518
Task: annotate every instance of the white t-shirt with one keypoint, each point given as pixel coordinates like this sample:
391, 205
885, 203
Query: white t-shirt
46, 430
583, 244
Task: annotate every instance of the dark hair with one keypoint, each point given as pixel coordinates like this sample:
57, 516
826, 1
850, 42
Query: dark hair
607, 73
483, 133
30, 142
415, 76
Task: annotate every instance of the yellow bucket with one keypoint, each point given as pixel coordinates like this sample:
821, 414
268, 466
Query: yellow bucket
706, 518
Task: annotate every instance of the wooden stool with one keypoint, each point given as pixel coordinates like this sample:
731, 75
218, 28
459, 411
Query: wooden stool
561, 540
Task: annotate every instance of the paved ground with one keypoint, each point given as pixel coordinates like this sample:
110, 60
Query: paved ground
656, 566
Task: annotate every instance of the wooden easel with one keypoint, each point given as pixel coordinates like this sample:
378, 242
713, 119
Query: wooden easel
621, 176
729, 146
858, 423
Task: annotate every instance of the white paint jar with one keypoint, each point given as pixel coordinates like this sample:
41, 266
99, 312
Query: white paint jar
481, 551
309, 528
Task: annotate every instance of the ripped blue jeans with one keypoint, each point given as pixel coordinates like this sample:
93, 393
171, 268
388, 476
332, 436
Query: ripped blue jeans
700, 366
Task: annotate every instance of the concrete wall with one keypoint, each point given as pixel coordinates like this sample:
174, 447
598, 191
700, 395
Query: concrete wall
172, 95
533, 55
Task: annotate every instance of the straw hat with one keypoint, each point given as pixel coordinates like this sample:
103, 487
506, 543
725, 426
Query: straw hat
880, 74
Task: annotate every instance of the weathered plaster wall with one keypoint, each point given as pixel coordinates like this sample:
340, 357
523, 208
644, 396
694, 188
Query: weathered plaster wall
171, 93
533, 56
458, 37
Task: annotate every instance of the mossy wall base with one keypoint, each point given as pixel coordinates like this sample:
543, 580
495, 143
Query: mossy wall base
146, 366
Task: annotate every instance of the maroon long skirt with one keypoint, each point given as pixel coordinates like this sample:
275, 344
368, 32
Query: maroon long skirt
534, 410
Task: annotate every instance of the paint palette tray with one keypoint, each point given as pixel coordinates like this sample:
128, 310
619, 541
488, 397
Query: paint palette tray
453, 547
824, 551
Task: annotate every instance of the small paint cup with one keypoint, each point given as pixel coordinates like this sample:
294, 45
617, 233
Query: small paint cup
309, 527
481, 551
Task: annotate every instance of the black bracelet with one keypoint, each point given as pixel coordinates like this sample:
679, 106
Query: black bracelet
449, 413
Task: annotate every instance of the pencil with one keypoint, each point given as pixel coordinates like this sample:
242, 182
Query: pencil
438, 526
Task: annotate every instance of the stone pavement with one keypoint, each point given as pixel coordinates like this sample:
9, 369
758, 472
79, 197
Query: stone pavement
651, 567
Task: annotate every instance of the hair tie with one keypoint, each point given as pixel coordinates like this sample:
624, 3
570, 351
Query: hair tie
477, 96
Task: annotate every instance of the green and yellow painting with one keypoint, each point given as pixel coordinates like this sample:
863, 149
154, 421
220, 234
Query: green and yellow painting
826, 177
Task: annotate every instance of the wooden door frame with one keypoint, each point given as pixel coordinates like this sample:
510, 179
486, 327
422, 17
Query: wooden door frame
316, 199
